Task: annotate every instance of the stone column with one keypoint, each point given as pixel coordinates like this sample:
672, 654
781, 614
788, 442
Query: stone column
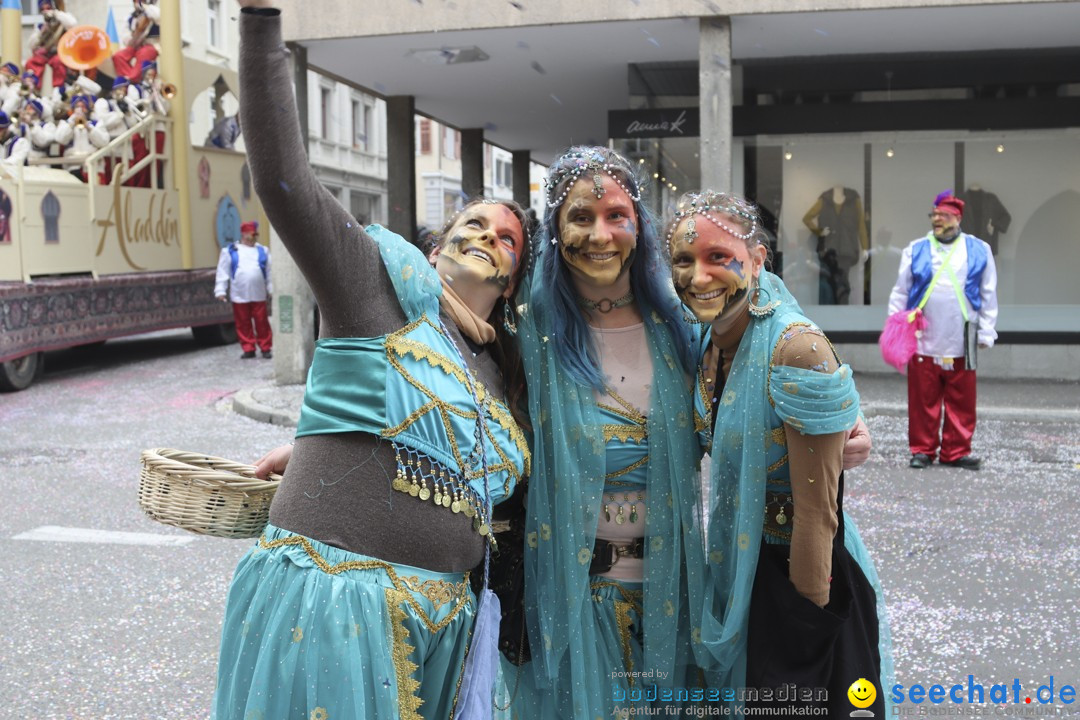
522, 165
714, 78
401, 165
472, 162
293, 319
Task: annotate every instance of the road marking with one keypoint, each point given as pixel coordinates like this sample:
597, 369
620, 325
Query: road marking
55, 533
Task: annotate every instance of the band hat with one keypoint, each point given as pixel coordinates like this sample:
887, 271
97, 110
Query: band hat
10, 68
249, 227
5, 121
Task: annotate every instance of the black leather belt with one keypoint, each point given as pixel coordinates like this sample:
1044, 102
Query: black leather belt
606, 554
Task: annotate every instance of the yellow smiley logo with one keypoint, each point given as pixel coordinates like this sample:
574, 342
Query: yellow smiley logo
862, 693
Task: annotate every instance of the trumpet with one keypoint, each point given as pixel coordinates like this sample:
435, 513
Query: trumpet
168, 91
140, 108
79, 121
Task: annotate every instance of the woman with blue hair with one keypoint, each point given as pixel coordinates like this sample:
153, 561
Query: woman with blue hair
793, 595
614, 561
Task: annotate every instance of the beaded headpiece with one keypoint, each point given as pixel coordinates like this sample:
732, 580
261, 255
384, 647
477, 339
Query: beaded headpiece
593, 164
708, 205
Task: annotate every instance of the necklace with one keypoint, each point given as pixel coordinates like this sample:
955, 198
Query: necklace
606, 305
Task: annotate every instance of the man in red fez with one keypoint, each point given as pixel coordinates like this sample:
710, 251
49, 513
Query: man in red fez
244, 270
950, 275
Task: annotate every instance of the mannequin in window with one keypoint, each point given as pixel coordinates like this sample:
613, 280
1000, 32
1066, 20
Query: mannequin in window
838, 221
985, 216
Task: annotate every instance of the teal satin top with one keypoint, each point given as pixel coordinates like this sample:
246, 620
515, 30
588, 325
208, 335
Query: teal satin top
626, 444
412, 388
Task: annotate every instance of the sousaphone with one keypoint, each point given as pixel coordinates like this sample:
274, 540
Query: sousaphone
84, 47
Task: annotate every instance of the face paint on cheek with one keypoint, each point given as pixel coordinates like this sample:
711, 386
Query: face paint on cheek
682, 278
629, 228
573, 240
734, 265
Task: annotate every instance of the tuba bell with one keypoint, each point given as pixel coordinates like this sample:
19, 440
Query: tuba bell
83, 47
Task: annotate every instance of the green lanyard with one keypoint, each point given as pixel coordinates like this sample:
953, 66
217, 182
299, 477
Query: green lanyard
945, 267
952, 276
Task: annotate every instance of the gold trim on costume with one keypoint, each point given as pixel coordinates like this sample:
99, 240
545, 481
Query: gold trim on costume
631, 600
628, 469
397, 346
623, 622
778, 464
439, 592
625, 433
322, 564
408, 701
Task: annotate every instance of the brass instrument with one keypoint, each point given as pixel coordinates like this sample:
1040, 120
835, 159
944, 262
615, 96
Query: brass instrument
141, 29
84, 47
168, 91
80, 121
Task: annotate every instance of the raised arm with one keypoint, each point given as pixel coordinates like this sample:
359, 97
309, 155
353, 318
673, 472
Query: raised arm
339, 261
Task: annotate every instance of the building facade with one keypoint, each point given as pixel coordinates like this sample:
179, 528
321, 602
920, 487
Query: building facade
879, 104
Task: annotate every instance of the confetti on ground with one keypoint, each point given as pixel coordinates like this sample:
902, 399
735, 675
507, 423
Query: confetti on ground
556, 98
538, 67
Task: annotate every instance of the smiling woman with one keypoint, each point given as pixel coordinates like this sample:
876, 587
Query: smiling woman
795, 591
356, 600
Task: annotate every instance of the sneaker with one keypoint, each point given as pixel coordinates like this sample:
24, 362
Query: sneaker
968, 462
248, 354
920, 461
267, 354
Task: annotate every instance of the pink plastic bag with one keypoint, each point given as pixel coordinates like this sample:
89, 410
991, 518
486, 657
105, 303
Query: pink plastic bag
899, 341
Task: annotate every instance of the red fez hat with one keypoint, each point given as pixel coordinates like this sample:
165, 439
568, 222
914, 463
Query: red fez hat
249, 227
948, 202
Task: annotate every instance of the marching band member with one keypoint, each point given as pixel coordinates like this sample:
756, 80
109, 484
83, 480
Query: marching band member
44, 39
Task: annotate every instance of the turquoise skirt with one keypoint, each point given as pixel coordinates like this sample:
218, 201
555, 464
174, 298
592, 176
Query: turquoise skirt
319, 633
606, 676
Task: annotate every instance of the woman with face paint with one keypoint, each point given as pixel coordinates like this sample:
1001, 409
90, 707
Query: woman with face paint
614, 561
793, 594
355, 602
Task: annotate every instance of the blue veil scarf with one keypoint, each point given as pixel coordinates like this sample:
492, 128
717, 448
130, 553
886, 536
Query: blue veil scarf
817, 403
564, 501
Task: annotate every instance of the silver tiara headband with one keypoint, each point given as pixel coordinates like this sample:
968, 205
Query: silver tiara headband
585, 165
700, 205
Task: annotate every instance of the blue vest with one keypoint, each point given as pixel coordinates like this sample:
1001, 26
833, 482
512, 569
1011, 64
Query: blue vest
922, 270
234, 257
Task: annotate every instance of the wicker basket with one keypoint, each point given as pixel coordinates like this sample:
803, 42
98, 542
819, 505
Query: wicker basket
204, 494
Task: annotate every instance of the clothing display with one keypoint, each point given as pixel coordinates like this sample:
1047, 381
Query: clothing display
838, 221
984, 216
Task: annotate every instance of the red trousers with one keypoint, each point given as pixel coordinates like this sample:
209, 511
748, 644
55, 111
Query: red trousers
253, 312
37, 62
128, 60
930, 385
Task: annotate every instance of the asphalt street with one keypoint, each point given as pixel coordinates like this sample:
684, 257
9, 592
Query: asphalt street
979, 568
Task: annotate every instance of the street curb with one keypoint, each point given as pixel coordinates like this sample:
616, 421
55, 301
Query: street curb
244, 403
1036, 415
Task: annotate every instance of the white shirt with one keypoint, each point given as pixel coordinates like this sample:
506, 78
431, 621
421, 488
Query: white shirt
248, 285
944, 332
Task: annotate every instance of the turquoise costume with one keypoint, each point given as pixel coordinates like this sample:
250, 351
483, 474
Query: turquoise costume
317, 632
410, 387
588, 634
748, 445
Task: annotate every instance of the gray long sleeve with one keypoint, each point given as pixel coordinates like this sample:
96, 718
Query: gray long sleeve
339, 260
337, 488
